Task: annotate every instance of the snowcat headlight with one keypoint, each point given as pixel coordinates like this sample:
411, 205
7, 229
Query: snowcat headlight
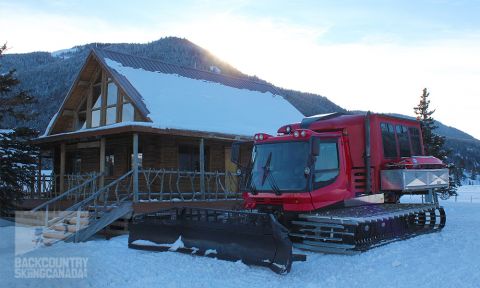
303, 133
288, 129
256, 137
307, 170
260, 137
295, 134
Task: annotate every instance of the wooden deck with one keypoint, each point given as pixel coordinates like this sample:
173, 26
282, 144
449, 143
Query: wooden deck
147, 207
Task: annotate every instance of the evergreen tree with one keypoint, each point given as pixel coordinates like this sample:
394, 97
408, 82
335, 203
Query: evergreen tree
11, 104
433, 143
17, 155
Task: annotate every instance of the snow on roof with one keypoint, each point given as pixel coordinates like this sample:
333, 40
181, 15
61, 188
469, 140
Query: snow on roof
178, 102
49, 126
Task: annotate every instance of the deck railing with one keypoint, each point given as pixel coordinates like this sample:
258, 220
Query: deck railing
94, 202
47, 186
177, 185
154, 185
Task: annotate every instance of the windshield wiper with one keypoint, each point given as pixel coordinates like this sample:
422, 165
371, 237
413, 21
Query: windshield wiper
252, 186
266, 168
273, 184
269, 176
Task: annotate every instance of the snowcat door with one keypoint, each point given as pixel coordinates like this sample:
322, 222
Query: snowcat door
241, 156
241, 153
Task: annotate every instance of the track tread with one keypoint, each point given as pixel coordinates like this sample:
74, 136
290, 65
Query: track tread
370, 226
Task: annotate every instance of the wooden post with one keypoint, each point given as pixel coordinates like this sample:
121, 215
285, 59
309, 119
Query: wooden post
102, 161
135, 167
202, 168
103, 113
89, 106
62, 167
39, 177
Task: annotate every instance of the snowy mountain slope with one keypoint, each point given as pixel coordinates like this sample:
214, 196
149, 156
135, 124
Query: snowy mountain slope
450, 258
48, 77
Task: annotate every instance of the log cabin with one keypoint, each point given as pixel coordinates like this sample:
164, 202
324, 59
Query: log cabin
151, 134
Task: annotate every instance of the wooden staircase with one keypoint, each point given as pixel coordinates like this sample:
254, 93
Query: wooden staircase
90, 213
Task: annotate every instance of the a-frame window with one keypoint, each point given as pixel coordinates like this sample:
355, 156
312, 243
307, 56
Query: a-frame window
128, 112
111, 107
97, 102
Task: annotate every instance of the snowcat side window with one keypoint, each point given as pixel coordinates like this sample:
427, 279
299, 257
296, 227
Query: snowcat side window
388, 140
415, 141
404, 143
326, 167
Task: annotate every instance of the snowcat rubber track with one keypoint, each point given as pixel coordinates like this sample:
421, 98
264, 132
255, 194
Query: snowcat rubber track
254, 238
357, 229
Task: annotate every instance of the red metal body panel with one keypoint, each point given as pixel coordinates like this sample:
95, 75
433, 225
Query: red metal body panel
350, 130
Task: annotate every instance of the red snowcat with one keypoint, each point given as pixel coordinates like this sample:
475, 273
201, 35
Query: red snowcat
330, 184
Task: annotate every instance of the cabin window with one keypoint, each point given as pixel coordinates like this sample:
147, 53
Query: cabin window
326, 167
140, 160
111, 94
109, 164
388, 140
403, 141
189, 158
76, 165
82, 120
97, 96
128, 112
111, 115
82, 115
97, 106
111, 108
95, 118
415, 140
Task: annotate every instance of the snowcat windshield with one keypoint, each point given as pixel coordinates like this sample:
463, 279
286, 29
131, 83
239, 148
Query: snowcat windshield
280, 167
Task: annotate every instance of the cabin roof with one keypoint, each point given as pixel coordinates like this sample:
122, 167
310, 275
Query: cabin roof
158, 66
181, 98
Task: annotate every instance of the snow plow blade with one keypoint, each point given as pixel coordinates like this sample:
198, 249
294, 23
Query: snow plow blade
253, 238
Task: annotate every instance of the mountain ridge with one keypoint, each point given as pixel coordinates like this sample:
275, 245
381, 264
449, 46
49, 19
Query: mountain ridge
48, 76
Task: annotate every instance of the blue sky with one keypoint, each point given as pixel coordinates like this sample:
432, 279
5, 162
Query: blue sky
369, 55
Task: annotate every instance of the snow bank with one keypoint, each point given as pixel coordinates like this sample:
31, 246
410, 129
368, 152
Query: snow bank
179, 102
171, 246
450, 258
467, 193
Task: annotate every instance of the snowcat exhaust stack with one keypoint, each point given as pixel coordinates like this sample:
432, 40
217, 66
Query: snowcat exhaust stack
254, 238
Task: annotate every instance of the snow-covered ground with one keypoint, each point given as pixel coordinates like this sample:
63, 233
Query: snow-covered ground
450, 258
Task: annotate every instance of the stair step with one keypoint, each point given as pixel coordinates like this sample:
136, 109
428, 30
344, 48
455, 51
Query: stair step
106, 219
50, 241
56, 234
67, 227
73, 220
101, 208
84, 214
